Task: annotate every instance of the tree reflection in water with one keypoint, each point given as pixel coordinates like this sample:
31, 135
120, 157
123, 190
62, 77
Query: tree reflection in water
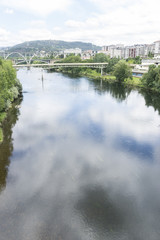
6, 148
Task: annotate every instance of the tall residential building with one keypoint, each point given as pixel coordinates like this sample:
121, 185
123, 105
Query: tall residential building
141, 50
157, 48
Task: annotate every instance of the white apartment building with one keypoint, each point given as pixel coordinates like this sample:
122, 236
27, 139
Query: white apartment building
156, 48
117, 51
74, 51
141, 50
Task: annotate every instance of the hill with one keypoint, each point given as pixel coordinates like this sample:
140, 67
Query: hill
51, 46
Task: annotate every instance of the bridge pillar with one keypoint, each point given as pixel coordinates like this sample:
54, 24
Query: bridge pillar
101, 71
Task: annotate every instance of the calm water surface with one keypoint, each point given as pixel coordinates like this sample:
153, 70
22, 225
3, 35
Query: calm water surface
80, 161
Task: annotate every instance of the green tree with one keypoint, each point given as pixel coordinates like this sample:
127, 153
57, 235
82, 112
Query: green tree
9, 85
137, 60
72, 59
152, 78
100, 58
122, 71
111, 64
150, 54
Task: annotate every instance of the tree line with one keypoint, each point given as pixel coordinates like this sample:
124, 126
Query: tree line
118, 68
10, 86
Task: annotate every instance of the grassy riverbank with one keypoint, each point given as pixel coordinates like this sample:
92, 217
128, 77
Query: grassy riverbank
135, 81
10, 89
116, 71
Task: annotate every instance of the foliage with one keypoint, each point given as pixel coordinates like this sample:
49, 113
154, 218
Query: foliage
1, 135
135, 81
2, 117
150, 54
111, 64
152, 78
130, 60
9, 85
50, 46
100, 58
72, 59
137, 60
151, 99
122, 71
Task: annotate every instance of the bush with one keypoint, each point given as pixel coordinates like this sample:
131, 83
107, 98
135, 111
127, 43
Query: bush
152, 78
9, 85
122, 71
100, 58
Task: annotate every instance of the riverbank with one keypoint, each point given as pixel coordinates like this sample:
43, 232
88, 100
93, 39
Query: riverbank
10, 90
134, 82
3, 115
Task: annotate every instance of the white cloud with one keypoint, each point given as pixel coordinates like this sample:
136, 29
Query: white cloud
37, 23
9, 11
125, 21
74, 24
4, 37
35, 34
37, 7
111, 22
56, 28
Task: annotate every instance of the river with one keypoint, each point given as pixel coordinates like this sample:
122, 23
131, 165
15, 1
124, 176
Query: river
80, 161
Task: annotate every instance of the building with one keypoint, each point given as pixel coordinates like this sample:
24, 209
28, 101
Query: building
157, 48
74, 51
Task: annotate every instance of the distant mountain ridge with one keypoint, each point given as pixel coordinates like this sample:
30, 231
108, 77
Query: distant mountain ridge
51, 46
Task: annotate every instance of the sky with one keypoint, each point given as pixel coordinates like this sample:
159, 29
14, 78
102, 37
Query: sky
101, 22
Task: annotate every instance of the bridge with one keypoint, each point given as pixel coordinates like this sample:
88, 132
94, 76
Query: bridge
25, 59
101, 66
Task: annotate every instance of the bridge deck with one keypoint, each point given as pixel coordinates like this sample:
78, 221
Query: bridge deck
57, 65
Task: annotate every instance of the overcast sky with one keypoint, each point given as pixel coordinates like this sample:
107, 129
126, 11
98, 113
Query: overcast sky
101, 22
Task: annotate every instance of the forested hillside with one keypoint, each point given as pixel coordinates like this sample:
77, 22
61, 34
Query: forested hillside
50, 46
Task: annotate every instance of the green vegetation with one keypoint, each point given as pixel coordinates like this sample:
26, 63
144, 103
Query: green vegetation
151, 79
71, 59
100, 58
150, 55
135, 81
111, 63
95, 75
136, 60
1, 135
31, 47
116, 70
122, 71
10, 88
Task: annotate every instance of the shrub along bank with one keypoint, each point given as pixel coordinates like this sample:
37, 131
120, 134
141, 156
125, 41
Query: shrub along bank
10, 89
116, 70
151, 80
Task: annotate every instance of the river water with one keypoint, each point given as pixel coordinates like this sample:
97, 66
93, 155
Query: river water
80, 161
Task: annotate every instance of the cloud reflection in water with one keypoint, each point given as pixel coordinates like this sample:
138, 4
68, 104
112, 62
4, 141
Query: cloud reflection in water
71, 176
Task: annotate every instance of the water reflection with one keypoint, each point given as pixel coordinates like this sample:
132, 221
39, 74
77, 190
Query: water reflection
84, 165
6, 148
117, 90
152, 99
